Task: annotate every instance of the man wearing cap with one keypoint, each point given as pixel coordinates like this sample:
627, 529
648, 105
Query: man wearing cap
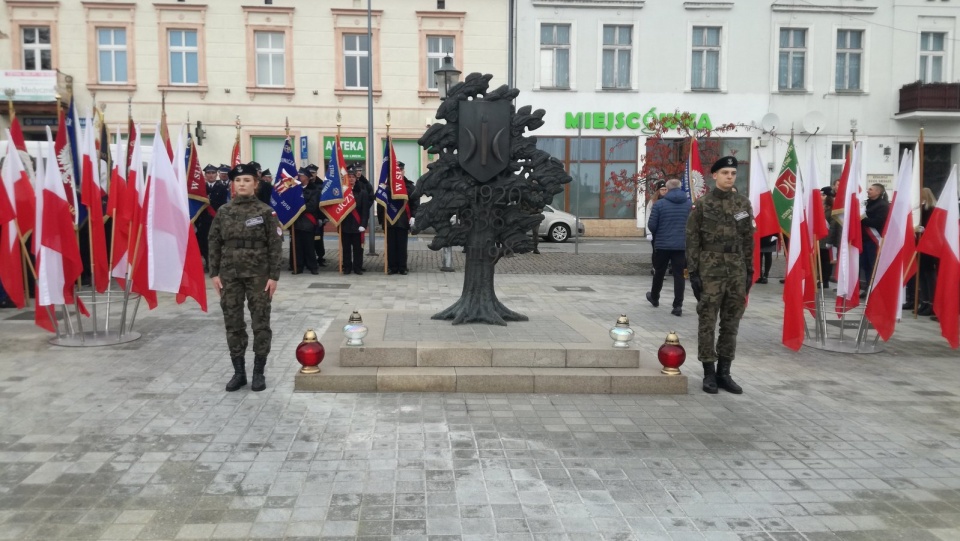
223, 173
304, 226
319, 248
217, 195
352, 226
245, 245
264, 186
667, 220
719, 238
398, 232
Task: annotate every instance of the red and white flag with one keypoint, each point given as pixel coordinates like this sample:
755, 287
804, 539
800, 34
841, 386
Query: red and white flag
884, 303
816, 224
24, 200
11, 262
764, 213
114, 204
57, 252
126, 205
851, 242
941, 238
173, 263
91, 195
798, 277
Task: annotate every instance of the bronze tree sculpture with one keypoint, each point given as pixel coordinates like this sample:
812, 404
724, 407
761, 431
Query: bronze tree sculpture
488, 187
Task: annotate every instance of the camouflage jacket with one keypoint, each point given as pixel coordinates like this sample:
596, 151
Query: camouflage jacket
720, 235
245, 240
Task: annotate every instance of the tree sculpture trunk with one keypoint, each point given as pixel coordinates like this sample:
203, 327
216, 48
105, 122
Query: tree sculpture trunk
478, 301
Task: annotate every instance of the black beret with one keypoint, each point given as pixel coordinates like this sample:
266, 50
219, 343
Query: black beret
254, 166
312, 168
726, 161
241, 169
352, 169
661, 184
400, 164
209, 167
828, 191
303, 171
224, 168
266, 172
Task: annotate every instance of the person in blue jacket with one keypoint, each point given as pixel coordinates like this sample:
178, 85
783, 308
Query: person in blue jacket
668, 220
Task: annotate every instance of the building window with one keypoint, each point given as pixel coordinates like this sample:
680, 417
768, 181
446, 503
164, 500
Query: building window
356, 59
184, 55
838, 157
617, 45
931, 56
705, 62
849, 60
37, 52
555, 56
270, 58
793, 58
437, 48
112, 55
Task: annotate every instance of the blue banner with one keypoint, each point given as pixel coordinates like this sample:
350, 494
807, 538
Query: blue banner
287, 197
393, 208
71, 124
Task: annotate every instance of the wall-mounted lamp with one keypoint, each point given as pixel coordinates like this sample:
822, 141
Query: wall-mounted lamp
200, 133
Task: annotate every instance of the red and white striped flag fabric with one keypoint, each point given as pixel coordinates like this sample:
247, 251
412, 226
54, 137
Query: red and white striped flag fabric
11, 262
57, 252
941, 238
816, 224
798, 277
897, 249
91, 195
764, 213
173, 263
851, 243
124, 228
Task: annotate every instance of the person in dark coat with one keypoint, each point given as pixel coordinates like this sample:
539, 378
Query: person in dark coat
217, 195
322, 220
399, 231
304, 227
871, 229
265, 187
353, 224
668, 220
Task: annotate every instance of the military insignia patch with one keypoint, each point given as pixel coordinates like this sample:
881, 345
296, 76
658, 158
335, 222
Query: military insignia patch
254, 221
740, 215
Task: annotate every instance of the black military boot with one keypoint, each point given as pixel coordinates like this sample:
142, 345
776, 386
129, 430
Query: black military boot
259, 383
239, 378
724, 381
709, 378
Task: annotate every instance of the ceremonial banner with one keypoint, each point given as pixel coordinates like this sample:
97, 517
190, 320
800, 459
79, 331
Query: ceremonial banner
287, 196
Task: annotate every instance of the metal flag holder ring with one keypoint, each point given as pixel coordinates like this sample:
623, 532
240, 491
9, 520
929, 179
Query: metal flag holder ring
108, 318
843, 333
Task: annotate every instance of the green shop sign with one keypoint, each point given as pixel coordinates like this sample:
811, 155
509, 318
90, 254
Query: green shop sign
636, 120
354, 148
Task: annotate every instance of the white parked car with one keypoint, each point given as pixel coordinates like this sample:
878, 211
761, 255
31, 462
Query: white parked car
558, 226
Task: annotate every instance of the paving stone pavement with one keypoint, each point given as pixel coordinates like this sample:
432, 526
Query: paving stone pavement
140, 441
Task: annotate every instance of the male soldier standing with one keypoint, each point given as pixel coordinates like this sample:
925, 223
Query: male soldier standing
319, 248
398, 232
720, 264
352, 226
245, 242
217, 195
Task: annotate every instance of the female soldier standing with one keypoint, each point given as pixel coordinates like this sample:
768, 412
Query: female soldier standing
245, 242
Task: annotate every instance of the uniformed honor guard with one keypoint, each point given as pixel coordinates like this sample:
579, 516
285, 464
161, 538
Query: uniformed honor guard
398, 232
245, 241
720, 264
352, 226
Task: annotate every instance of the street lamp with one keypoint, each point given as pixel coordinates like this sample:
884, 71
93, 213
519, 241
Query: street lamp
446, 77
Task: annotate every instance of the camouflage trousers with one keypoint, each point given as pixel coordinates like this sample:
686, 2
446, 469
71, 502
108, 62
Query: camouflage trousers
235, 290
727, 298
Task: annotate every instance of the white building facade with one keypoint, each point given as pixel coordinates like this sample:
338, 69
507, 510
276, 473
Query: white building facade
265, 62
828, 70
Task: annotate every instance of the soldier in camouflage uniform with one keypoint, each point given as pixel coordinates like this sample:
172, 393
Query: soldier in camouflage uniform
720, 264
245, 241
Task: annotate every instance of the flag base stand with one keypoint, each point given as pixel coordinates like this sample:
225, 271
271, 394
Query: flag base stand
110, 323
89, 339
846, 333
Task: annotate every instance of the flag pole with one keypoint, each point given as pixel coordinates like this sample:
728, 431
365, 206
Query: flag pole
76, 231
339, 233
93, 263
916, 279
293, 234
386, 220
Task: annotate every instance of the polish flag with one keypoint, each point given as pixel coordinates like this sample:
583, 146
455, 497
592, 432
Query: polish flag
797, 280
115, 201
19, 189
134, 207
851, 243
816, 224
897, 249
58, 255
173, 263
764, 213
125, 209
91, 195
941, 238
11, 264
